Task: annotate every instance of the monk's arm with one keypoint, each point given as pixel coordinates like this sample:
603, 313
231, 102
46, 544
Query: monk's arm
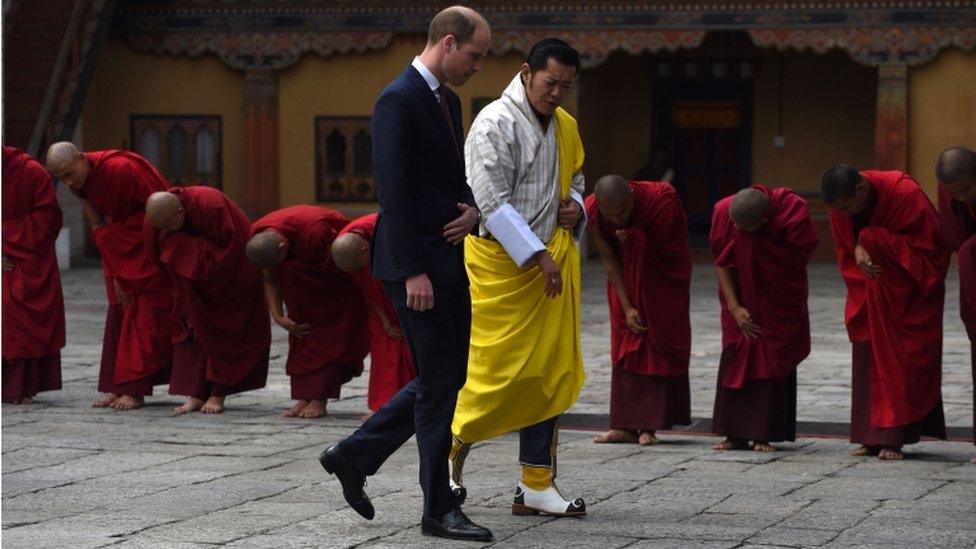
728, 288
91, 215
272, 295
611, 264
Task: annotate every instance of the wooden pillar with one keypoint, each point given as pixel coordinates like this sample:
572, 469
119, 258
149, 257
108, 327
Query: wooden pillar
891, 125
261, 133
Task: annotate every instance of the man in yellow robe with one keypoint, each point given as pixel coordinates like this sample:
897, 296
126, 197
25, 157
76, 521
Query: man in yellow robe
525, 367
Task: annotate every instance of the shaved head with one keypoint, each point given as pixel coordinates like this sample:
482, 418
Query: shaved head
956, 164
749, 209
266, 249
165, 211
614, 198
350, 252
66, 163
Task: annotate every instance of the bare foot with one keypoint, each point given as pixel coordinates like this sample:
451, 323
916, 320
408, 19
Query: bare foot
127, 402
865, 451
213, 405
891, 454
296, 409
367, 416
191, 405
616, 436
105, 401
731, 444
27, 400
315, 408
973, 461
763, 446
647, 438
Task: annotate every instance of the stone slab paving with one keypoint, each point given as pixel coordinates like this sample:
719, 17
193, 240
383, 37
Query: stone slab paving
78, 477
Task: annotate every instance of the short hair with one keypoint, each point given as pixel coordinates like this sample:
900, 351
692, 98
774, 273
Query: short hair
956, 164
552, 48
838, 181
457, 21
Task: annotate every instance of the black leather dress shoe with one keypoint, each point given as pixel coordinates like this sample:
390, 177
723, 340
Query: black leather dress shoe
351, 479
455, 525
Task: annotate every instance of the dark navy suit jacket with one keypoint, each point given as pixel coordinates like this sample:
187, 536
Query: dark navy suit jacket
420, 180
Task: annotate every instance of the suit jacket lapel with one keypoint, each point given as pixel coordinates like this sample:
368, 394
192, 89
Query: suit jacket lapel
430, 101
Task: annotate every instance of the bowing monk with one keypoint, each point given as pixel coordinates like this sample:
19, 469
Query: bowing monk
326, 316
641, 232
894, 263
199, 235
762, 240
956, 172
137, 349
33, 307
390, 363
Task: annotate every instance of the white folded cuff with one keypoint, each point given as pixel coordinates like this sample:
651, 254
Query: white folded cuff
514, 234
581, 222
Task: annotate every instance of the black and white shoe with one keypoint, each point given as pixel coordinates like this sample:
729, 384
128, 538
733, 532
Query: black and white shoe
548, 502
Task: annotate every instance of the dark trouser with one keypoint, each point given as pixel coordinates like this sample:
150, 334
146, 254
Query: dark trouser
933, 424
537, 444
438, 340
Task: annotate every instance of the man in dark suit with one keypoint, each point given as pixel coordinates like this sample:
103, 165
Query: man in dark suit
426, 210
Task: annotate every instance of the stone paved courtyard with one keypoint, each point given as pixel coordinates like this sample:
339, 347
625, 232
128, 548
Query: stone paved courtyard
78, 477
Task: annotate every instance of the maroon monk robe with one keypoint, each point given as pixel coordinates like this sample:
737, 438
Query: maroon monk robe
219, 292
756, 394
958, 231
317, 293
649, 377
33, 307
137, 346
895, 319
390, 362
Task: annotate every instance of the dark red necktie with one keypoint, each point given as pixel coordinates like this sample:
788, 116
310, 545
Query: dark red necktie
446, 111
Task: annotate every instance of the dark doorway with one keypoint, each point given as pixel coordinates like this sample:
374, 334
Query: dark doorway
702, 115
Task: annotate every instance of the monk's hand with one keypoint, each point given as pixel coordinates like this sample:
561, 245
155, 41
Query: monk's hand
551, 276
742, 317
634, 321
569, 212
420, 293
456, 230
293, 328
120, 293
621, 235
8, 265
863, 259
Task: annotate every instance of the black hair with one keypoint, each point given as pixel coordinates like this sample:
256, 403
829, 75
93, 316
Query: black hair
552, 48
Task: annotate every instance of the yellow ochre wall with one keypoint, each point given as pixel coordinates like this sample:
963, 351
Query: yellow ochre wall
127, 82
942, 111
348, 86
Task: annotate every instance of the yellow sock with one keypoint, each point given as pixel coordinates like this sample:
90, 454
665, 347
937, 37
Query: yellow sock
536, 478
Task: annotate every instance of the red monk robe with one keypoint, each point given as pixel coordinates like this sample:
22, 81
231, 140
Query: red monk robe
894, 320
958, 231
220, 294
390, 362
137, 348
756, 395
33, 307
317, 293
649, 387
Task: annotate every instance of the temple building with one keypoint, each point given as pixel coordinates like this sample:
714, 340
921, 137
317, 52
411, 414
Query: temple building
271, 100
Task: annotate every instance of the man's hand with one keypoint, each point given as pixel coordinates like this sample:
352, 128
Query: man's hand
420, 293
569, 213
8, 265
392, 331
551, 277
293, 328
744, 320
124, 298
456, 230
634, 321
864, 262
621, 235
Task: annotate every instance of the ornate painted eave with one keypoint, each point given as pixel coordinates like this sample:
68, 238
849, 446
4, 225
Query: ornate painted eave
249, 33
